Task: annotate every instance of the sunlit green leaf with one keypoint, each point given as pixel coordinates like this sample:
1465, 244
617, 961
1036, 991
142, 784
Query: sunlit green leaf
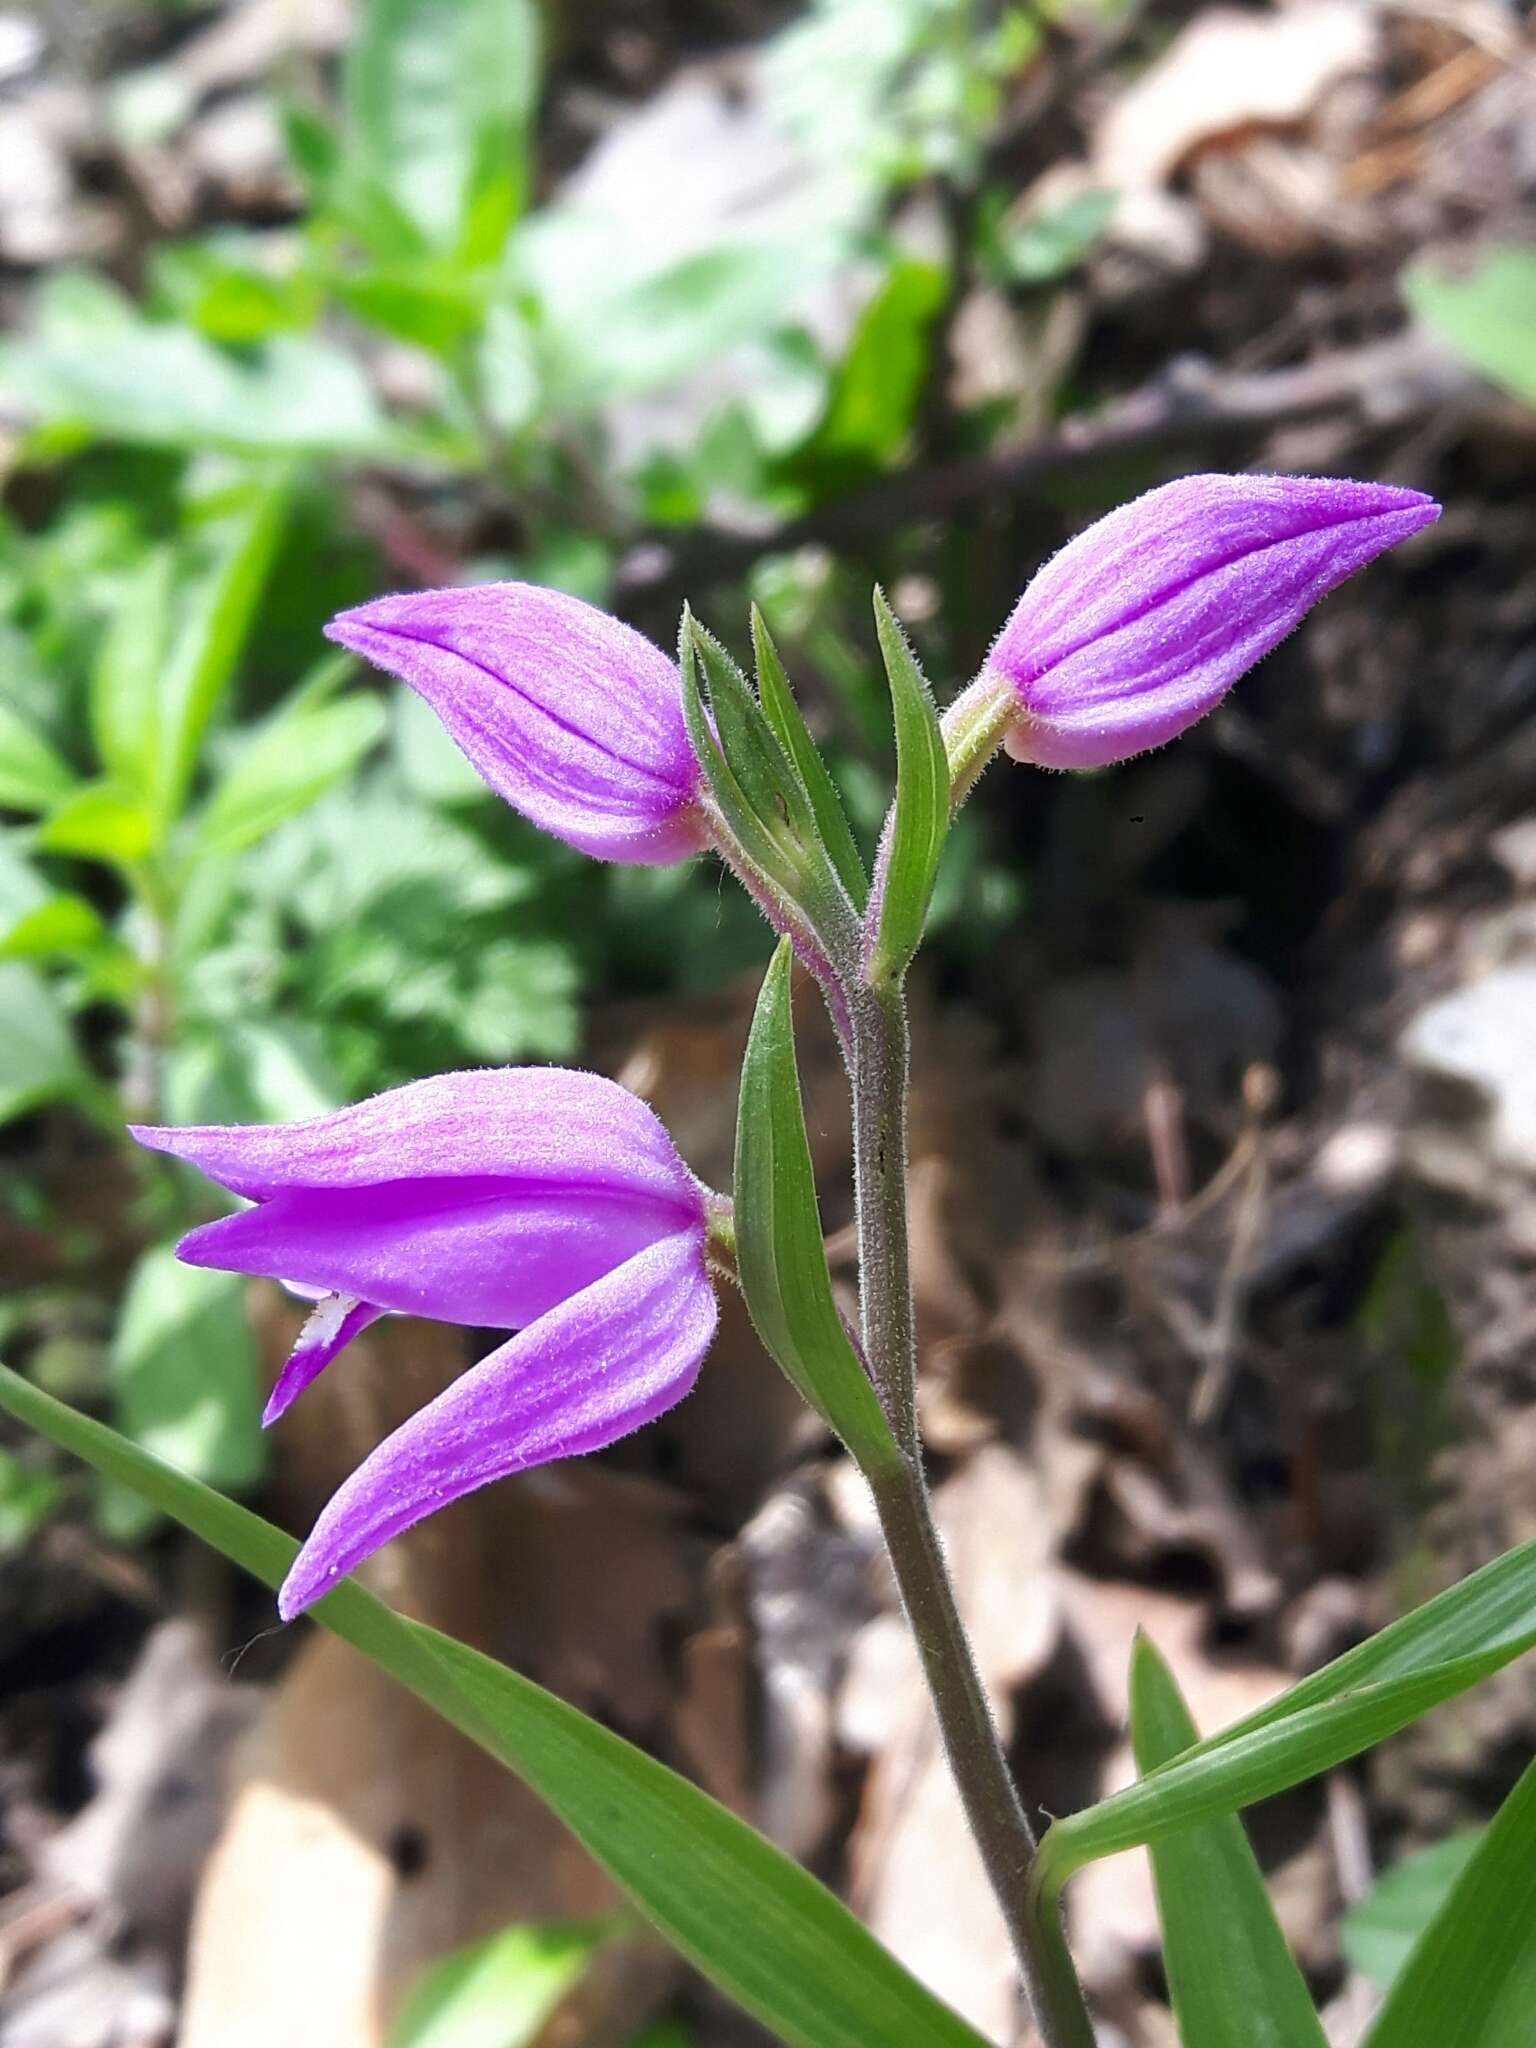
209, 642
164, 385
101, 822
877, 387
301, 752
32, 774
435, 91
499, 1993
766, 1931
64, 925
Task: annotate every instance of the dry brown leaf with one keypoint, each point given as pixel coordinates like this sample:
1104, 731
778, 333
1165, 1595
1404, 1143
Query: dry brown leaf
366, 1839
1227, 74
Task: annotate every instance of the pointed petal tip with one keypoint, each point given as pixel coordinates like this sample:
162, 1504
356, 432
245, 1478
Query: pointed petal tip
305, 1584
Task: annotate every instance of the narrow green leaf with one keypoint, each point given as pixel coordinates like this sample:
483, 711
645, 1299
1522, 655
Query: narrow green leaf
779, 1245
762, 1928
1378, 1935
501, 1992
1234, 1982
125, 695
64, 927
1449, 1644
783, 716
207, 649
879, 383
1471, 1979
32, 774
300, 753
99, 822
919, 821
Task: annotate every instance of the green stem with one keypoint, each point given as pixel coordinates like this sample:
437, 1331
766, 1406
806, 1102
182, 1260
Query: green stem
878, 1068
992, 1805
974, 726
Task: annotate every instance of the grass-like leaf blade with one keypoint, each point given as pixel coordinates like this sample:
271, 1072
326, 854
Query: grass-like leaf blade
1471, 1979
1234, 1982
763, 1929
1442, 1648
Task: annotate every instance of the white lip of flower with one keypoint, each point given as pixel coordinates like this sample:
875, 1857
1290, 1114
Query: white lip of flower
323, 1326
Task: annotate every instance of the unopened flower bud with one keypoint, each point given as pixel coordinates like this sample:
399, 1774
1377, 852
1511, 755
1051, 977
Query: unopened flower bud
570, 715
1144, 622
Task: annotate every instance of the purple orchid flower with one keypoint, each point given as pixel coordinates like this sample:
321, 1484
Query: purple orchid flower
530, 1198
1142, 624
570, 715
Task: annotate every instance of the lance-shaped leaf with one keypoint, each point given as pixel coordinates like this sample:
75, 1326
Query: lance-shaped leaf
759, 1926
779, 1248
1471, 1979
1442, 1648
783, 714
1233, 1981
918, 824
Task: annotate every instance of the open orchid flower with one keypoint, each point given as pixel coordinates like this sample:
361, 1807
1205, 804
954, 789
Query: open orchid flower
1142, 624
570, 715
536, 1199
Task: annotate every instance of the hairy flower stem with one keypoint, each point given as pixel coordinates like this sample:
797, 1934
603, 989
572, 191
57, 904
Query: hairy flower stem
992, 1806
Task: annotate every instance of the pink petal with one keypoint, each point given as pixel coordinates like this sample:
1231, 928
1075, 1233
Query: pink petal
328, 1329
552, 1125
498, 1251
600, 1365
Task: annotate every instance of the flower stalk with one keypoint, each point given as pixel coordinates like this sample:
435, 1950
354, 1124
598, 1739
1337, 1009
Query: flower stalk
980, 1769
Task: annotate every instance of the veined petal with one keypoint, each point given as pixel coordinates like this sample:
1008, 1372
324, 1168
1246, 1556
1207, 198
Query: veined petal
551, 1126
570, 715
1139, 626
597, 1367
328, 1329
479, 1251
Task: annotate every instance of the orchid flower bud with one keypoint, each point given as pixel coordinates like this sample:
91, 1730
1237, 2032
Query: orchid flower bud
549, 1202
1142, 624
570, 715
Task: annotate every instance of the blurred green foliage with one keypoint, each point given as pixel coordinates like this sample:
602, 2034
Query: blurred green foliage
239, 879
